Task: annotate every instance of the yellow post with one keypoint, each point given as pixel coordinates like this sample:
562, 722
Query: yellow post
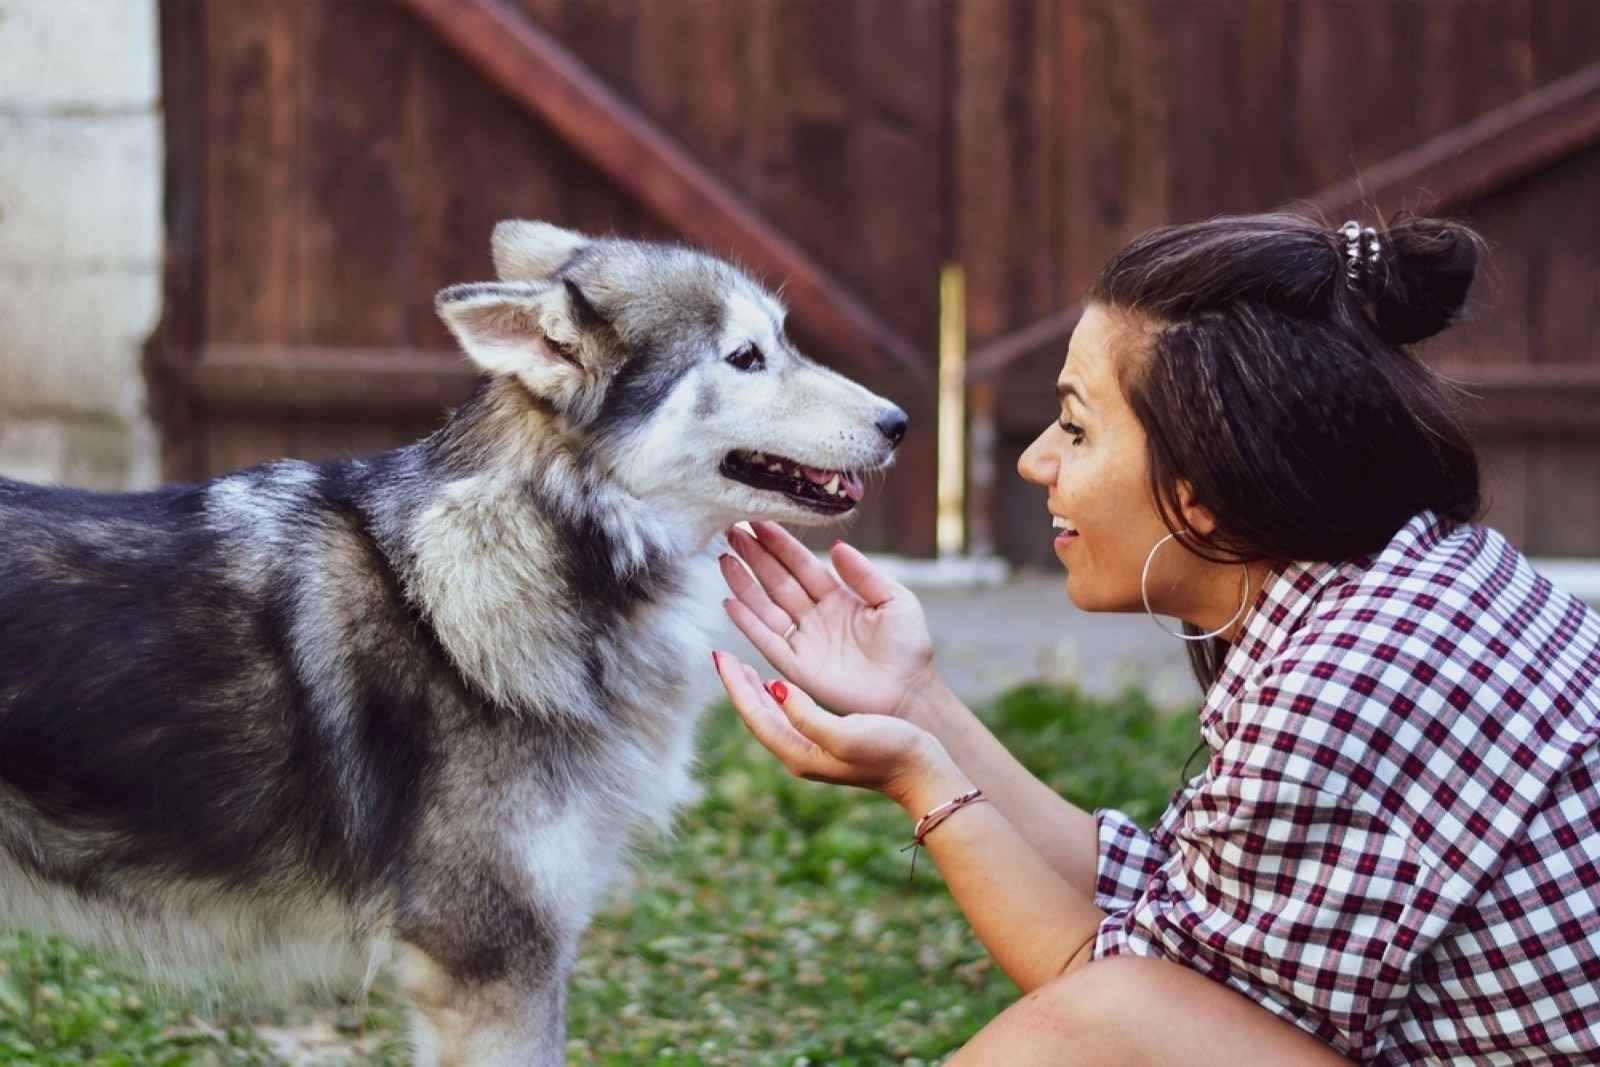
950, 533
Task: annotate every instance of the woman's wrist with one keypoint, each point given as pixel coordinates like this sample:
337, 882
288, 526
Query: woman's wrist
931, 778
922, 700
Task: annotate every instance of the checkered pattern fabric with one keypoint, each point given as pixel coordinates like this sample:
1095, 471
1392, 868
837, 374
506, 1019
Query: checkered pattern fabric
1396, 843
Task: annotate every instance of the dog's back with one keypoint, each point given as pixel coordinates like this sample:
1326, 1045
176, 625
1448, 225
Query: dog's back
166, 660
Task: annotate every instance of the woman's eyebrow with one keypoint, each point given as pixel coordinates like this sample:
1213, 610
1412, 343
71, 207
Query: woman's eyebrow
1066, 389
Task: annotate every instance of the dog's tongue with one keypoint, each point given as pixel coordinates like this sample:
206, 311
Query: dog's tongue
849, 482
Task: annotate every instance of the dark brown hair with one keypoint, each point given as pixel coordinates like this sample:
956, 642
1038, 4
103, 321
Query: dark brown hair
1282, 392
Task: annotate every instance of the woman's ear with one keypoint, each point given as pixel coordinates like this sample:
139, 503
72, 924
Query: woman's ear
1196, 517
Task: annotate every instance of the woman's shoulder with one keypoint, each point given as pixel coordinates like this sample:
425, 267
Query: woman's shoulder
1440, 656
1454, 593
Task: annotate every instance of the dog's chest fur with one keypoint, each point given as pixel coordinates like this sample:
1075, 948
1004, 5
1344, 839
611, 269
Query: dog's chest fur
594, 642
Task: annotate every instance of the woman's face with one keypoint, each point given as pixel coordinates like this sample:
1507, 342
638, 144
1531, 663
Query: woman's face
1093, 464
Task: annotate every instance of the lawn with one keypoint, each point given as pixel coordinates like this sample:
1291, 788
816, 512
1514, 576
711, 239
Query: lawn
777, 927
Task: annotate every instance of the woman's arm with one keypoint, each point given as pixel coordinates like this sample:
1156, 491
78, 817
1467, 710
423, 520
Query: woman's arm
1035, 924
1060, 832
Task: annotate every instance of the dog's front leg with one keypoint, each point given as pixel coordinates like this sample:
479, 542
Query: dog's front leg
518, 1018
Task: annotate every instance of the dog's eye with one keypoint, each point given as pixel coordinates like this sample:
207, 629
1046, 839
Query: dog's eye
748, 358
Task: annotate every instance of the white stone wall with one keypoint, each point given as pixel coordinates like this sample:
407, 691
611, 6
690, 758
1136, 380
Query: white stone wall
80, 239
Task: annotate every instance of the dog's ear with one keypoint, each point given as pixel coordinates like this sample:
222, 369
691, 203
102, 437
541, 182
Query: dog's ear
527, 251
550, 337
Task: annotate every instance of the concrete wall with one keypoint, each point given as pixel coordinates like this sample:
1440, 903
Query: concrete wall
80, 239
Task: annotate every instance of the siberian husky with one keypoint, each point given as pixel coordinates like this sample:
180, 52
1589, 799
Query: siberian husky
414, 705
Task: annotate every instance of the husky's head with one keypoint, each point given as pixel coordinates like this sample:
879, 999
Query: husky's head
673, 371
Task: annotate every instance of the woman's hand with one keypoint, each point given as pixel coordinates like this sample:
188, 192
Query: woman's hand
862, 646
877, 752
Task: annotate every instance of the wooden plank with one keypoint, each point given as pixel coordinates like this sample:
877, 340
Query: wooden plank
528, 64
1563, 500
691, 78
1228, 141
1566, 37
183, 94
603, 36
258, 380
1563, 312
1503, 468
898, 163
475, 158
252, 98
1005, 165
1480, 156
1115, 113
354, 187
243, 442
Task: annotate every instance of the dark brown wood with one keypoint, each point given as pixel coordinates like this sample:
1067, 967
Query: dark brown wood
1455, 168
1482, 155
353, 188
532, 67
253, 99
383, 383
183, 307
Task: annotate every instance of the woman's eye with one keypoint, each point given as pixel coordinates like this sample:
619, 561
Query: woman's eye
1073, 430
748, 358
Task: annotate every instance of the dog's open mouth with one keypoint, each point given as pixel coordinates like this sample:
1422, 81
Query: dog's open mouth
833, 492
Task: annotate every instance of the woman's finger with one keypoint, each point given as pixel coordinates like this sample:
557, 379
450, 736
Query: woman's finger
778, 652
809, 571
860, 575
760, 715
751, 595
811, 721
782, 586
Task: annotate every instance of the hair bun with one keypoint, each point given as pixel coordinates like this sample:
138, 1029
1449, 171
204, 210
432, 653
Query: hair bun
1424, 273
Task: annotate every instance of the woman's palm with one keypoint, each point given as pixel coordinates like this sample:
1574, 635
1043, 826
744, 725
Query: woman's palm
857, 645
855, 657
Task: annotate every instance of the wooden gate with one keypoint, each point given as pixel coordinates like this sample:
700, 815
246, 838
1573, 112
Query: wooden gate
1095, 119
332, 163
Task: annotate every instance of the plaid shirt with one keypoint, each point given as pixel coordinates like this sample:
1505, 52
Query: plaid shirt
1396, 844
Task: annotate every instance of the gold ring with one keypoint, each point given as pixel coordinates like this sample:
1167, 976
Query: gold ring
793, 626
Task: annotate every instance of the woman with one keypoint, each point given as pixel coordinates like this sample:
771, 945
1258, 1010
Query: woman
1394, 852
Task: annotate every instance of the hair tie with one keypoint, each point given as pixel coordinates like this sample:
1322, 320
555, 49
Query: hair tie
1357, 261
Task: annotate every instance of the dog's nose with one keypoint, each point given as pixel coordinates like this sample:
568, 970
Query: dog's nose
892, 424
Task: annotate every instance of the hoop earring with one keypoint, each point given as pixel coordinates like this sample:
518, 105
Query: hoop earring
1144, 594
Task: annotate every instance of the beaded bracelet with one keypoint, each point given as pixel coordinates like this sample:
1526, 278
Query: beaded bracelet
929, 822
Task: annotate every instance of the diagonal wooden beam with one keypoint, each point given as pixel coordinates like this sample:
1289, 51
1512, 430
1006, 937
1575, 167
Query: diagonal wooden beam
534, 69
1460, 165
1470, 161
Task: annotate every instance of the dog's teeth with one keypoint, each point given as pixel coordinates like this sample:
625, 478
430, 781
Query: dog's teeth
758, 457
833, 485
775, 467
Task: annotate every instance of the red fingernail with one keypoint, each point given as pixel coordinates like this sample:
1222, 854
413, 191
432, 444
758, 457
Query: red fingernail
837, 543
715, 662
779, 691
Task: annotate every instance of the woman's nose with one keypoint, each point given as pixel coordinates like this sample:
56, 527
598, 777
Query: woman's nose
1036, 465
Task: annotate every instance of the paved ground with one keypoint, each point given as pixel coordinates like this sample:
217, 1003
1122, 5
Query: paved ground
991, 638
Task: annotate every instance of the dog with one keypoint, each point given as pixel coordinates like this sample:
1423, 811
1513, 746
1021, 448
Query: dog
413, 707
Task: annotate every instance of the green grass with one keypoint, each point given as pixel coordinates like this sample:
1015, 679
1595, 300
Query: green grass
778, 927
